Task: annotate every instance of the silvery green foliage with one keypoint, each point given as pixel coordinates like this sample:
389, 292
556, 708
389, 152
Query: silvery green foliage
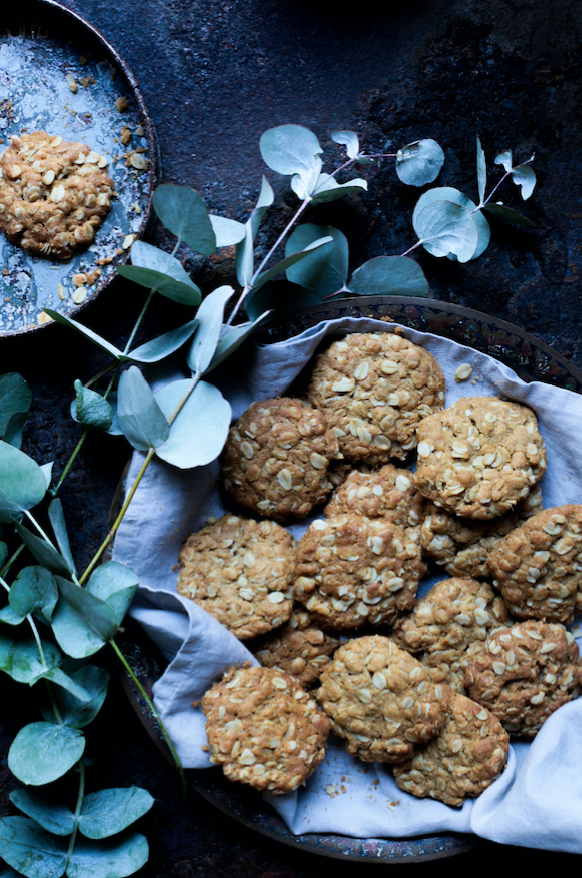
420, 162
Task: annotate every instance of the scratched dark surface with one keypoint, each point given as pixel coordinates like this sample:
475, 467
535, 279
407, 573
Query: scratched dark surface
214, 75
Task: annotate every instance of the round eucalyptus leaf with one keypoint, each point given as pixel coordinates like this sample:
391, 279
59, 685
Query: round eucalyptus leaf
228, 231
324, 271
349, 139
506, 160
34, 588
27, 666
22, 483
82, 623
14, 429
31, 850
389, 276
76, 713
90, 409
108, 859
290, 260
420, 162
52, 816
199, 432
280, 297
525, 177
15, 398
115, 584
156, 269
328, 189
42, 752
139, 415
447, 193
108, 812
290, 149
444, 227
183, 213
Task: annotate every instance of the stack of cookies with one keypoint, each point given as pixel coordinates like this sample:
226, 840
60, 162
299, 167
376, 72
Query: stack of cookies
432, 687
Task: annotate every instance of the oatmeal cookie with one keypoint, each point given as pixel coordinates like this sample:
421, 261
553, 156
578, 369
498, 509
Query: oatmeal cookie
53, 194
463, 545
449, 625
538, 567
300, 648
263, 729
354, 571
467, 755
526, 673
276, 457
479, 457
380, 700
387, 493
241, 572
373, 389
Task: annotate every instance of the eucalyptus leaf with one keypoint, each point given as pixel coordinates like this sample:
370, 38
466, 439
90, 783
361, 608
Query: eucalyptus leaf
15, 399
82, 623
291, 149
227, 231
210, 316
53, 816
508, 214
290, 260
91, 336
304, 185
244, 259
3, 552
199, 431
325, 270
14, 429
506, 160
140, 418
164, 345
44, 552
158, 270
27, 666
22, 483
233, 339
281, 297
108, 812
90, 409
47, 469
264, 201
77, 713
108, 859
389, 276
481, 172
420, 162
447, 193
42, 752
30, 849
9, 617
183, 213
59, 525
34, 588
115, 584
444, 227
525, 177
328, 189
115, 429
349, 139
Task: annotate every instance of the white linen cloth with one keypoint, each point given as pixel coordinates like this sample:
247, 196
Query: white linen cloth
537, 801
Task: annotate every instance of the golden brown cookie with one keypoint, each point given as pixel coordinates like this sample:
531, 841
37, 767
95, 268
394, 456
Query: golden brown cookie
263, 729
525, 674
463, 545
53, 194
479, 457
449, 625
467, 755
538, 567
380, 700
373, 389
241, 572
354, 571
276, 457
300, 648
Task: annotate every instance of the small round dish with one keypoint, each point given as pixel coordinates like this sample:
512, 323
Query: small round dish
59, 75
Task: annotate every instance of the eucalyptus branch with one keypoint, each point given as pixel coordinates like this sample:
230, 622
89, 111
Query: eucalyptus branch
77, 814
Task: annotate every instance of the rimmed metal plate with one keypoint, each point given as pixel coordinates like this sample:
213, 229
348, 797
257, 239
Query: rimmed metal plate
59, 75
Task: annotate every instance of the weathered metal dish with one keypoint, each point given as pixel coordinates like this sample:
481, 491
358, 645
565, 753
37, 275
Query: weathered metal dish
58, 74
532, 359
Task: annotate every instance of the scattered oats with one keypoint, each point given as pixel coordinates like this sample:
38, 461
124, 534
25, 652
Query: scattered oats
463, 372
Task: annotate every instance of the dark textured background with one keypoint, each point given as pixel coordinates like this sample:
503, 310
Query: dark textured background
215, 74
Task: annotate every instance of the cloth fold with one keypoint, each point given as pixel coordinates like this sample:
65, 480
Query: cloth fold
537, 802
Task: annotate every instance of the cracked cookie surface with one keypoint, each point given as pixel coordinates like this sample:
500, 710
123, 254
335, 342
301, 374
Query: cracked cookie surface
263, 729
479, 457
53, 194
241, 572
373, 389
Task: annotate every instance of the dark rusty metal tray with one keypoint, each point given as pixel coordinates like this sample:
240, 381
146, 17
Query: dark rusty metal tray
532, 359
58, 74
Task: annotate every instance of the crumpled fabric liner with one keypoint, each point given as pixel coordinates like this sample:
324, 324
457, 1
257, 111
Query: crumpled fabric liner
537, 801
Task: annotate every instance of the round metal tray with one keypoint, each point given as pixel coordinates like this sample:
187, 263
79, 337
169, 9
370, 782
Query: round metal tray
58, 74
532, 359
